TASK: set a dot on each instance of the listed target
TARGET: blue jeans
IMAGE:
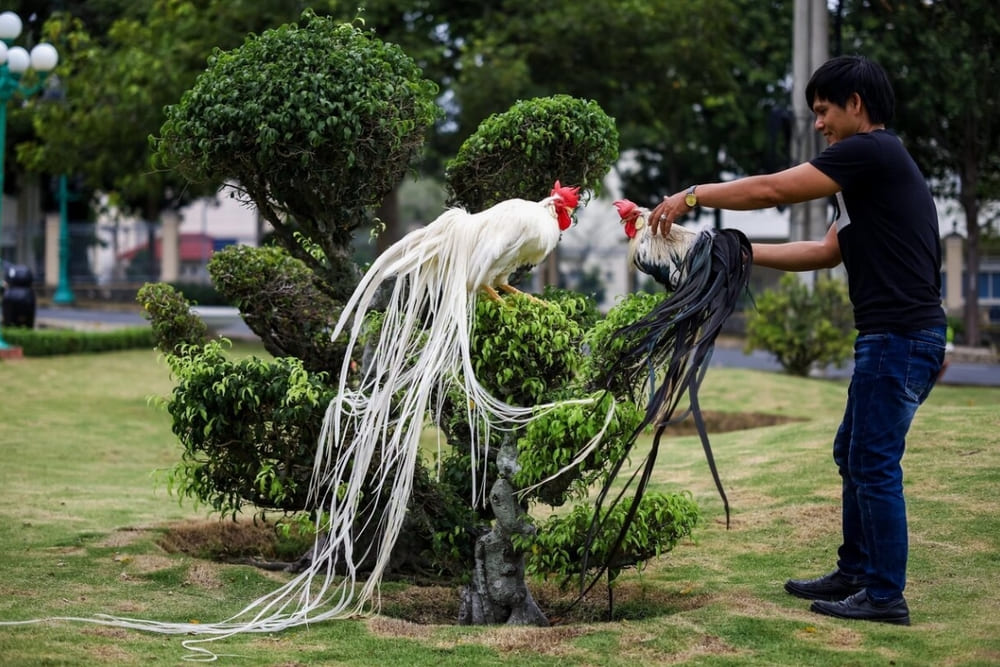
(893, 374)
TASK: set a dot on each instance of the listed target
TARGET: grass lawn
(84, 517)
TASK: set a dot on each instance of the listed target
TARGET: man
(890, 246)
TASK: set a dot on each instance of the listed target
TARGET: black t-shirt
(890, 244)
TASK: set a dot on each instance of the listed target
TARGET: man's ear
(854, 104)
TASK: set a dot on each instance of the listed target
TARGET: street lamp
(14, 62)
(64, 293)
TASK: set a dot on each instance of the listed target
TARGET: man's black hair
(838, 78)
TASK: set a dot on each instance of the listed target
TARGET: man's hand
(667, 212)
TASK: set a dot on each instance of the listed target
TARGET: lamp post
(64, 293)
(14, 62)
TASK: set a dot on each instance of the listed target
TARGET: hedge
(49, 342)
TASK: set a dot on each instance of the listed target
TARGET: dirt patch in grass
(632, 600)
(703, 645)
(412, 606)
(439, 605)
(203, 575)
(723, 422)
(123, 537)
(551, 641)
(103, 653)
(221, 539)
(146, 563)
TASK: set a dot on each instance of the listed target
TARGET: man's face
(834, 122)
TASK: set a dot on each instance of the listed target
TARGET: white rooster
(370, 442)
(422, 348)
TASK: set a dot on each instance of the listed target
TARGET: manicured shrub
(49, 342)
(803, 326)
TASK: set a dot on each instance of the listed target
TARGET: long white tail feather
(372, 431)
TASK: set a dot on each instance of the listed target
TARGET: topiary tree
(282, 301)
(176, 330)
(518, 153)
(316, 123)
(230, 460)
(803, 326)
(530, 353)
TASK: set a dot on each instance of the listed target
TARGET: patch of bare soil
(220, 538)
(428, 603)
(415, 606)
(124, 536)
(723, 422)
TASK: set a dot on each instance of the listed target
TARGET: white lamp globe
(10, 25)
(44, 57)
(18, 60)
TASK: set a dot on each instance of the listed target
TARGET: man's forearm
(794, 256)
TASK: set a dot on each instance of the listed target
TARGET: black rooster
(668, 349)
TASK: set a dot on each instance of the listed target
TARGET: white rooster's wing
(512, 234)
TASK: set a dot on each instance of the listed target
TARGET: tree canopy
(121, 63)
(691, 86)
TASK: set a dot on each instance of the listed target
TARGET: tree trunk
(971, 288)
(388, 213)
(498, 593)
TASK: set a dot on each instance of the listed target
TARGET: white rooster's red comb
(570, 195)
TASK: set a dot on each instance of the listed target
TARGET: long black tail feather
(668, 353)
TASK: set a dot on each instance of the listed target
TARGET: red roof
(194, 248)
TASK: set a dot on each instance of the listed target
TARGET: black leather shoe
(859, 607)
(833, 586)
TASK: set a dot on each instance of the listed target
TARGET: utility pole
(810, 49)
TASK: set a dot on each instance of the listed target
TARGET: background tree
(942, 59)
(690, 104)
(121, 63)
(699, 106)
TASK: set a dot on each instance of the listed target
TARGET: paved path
(224, 321)
(958, 373)
(227, 322)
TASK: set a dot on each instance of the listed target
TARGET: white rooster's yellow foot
(510, 289)
(492, 294)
